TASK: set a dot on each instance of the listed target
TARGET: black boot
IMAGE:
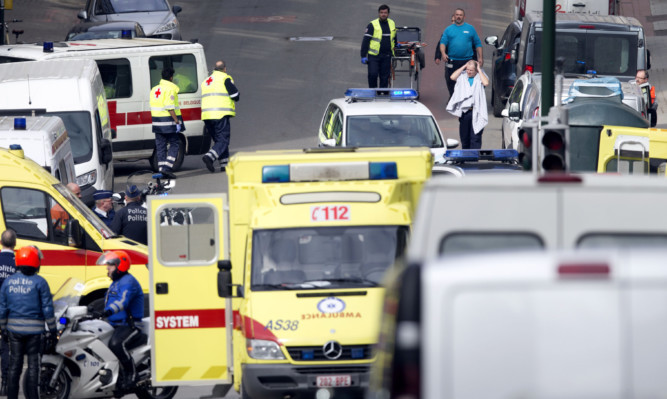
(3, 388)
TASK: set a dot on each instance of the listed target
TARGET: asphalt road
(286, 84)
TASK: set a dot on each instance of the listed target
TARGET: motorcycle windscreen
(190, 341)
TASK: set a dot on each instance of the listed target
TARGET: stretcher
(408, 59)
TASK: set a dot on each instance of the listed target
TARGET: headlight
(89, 178)
(264, 350)
(171, 25)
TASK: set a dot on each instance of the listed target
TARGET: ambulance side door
(186, 239)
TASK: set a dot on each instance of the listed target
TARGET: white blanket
(466, 96)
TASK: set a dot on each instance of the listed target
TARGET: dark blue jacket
(26, 304)
(108, 219)
(132, 222)
(7, 265)
(124, 295)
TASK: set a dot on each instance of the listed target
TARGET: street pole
(2, 22)
(548, 54)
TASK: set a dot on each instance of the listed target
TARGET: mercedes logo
(332, 350)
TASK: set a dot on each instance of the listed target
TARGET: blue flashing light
(157, 176)
(47, 47)
(505, 155)
(357, 353)
(80, 357)
(307, 354)
(63, 321)
(126, 34)
(275, 174)
(19, 124)
(382, 170)
(361, 93)
(403, 94)
(15, 147)
(462, 155)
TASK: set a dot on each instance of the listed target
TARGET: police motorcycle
(82, 365)
(148, 182)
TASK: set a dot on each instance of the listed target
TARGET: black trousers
(469, 140)
(220, 131)
(166, 146)
(379, 65)
(124, 338)
(4, 359)
(448, 72)
(20, 345)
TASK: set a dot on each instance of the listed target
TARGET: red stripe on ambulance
(144, 117)
(191, 318)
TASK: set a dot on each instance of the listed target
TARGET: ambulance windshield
(87, 212)
(324, 257)
(80, 134)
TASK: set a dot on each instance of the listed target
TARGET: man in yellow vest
(377, 48)
(218, 105)
(167, 122)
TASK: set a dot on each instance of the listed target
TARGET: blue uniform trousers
(469, 140)
(220, 130)
(166, 158)
(379, 65)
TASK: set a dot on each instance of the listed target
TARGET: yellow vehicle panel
(632, 150)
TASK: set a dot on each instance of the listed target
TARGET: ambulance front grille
(332, 370)
(316, 353)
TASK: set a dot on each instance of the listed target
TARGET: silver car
(156, 17)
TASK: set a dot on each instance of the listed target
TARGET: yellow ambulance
(632, 150)
(44, 213)
(278, 291)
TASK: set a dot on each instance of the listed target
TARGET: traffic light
(555, 137)
(527, 150)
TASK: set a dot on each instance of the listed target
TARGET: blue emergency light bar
(15, 147)
(352, 171)
(392, 94)
(126, 34)
(47, 47)
(481, 155)
(19, 124)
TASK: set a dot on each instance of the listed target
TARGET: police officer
(377, 48)
(124, 303)
(167, 122)
(132, 220)
(218, 98)
(104, 206)
(7, 268)
(25, 305)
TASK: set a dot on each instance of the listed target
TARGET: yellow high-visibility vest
(374, 48)
(215, 100)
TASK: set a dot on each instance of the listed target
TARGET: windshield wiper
(273, 286)
(357, 280)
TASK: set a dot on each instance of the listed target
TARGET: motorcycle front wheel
(156, 392)
(61, 388)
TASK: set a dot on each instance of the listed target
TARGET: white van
(522, 211)
(583, 324)
(129, 69)
(43, 139)
(598, 7)
(73, 91)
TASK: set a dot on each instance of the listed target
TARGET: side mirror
(451, 143)
(74, 233)
(106, 155)
(176, 9)
(492, 41)
(505, 113)
(514, 112)
(224, 279)
(329, 143)
(82, 15)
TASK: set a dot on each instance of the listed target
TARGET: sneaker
(168, 175)
(208, 162)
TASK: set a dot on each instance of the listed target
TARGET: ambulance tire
(179, 158)
(156, 392)
(244, 393)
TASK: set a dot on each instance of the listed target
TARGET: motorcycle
(82, 365)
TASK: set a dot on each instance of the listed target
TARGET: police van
(287, 276)
(525, 211)
(45, 213)
(129, 69)
(43, 139)
(554, 324)
(71, 90)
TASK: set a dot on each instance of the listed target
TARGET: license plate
(334, 381)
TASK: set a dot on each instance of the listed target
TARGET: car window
(327, 121)
(515, 95)
(337, 126)
(622, 240)
(185, 71)
(116, 77)
(627, 166)
(475, 242)
(103, 7)
(34, 215)
(392, 130)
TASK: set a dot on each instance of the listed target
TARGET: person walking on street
(218, 105)
(456, 47)
(469, 103)
(132, 220)
(104, 206)
(377, 48)
(25, 307)
(167, 122)
(123, 304)
(649, 95)
(7, 268)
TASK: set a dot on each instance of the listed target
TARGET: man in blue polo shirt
(456, 47)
